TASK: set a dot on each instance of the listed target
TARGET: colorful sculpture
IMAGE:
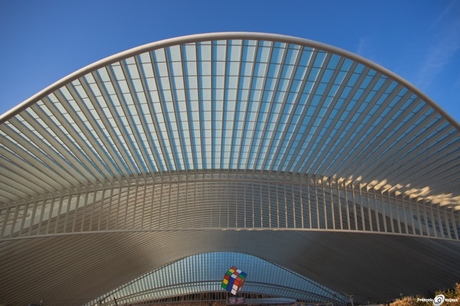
(233, 280)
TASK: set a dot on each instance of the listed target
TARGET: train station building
(143, 177)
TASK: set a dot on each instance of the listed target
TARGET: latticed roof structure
(201, 152)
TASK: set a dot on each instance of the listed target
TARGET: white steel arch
(183, 276)
(207, 136)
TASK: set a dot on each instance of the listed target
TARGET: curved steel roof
(231, 101)
(205, 270)
(204, 136)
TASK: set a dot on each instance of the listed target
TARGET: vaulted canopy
(228, 142)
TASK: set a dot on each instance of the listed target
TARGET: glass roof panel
(229, 104)
(204, 273)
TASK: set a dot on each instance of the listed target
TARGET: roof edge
(220, 36)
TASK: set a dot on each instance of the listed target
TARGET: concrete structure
(146, 175)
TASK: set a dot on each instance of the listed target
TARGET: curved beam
(221, 36)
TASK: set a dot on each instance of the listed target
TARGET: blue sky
(43, 41)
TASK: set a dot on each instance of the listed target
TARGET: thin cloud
(441, 53)
(363, 42)
(444, 13)
(457, 83)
